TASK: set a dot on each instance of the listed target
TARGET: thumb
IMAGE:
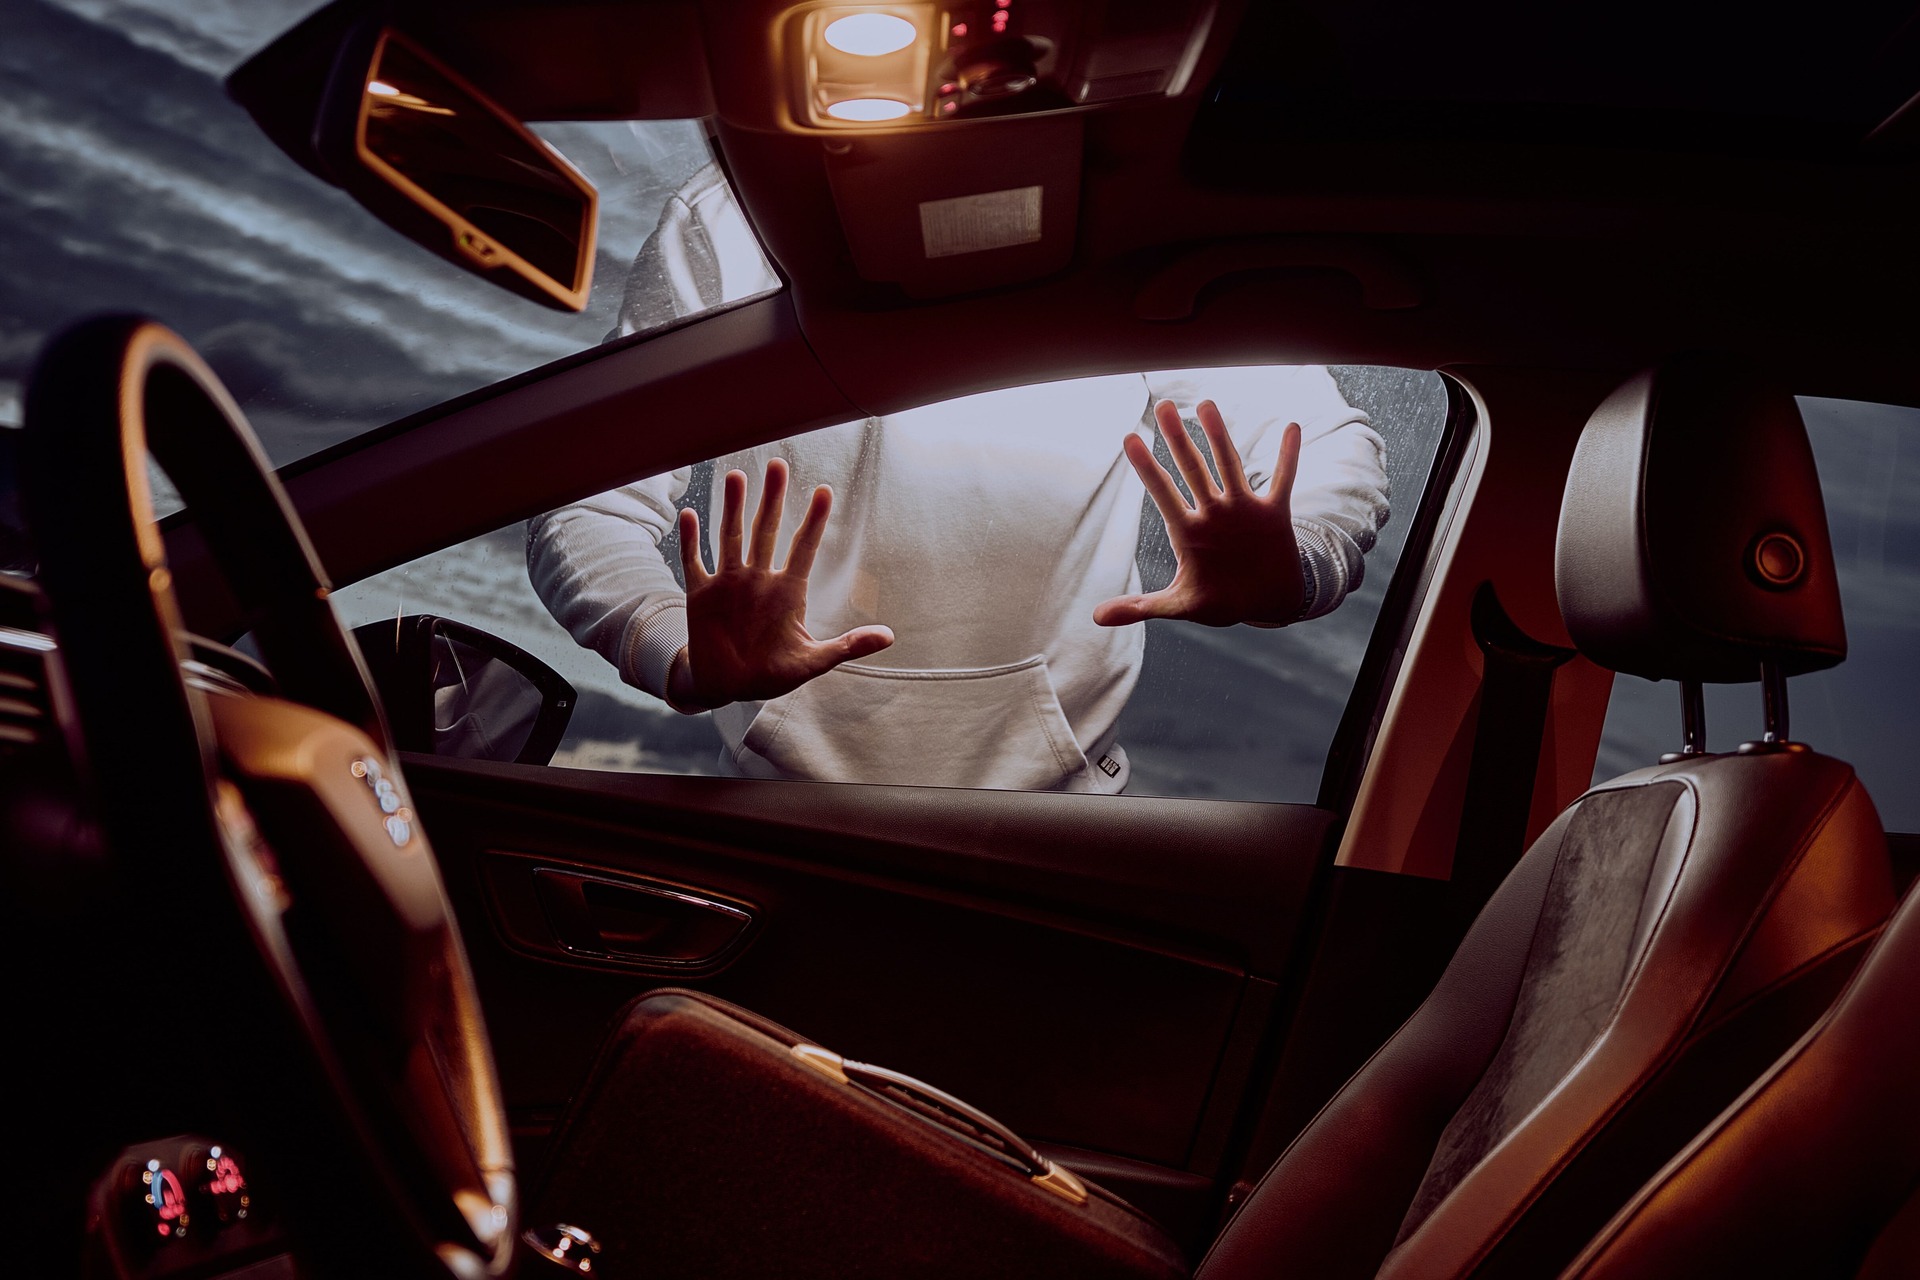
(1123, 611)
(825, 655)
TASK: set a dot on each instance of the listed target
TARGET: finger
(825, 655)
(813, 527)
(691, 568)
(1123, 611)
(1186, 454)
(766, 523)
(733, 502)
(1226, 456)
(1285, 467)
(1165, 493)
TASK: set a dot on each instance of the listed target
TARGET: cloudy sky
(132, 182)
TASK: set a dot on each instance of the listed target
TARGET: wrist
(1309, 595)
(680, 692)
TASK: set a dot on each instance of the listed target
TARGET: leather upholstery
(1666, 939)
(1693, 539)
(1815, 1171)
(1756, 870)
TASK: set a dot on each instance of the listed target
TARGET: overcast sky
(132, 182)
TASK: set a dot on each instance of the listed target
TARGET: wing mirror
(453, 690)
(372, 111)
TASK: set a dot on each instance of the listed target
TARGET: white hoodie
(983, 531)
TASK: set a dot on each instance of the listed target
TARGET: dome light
(868, 109)
(870, 35)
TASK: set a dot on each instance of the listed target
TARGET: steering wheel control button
(1777, 560)
(566, 1246)
(399, 818)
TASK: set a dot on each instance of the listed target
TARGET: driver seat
(1668, 936)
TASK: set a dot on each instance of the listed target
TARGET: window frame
(1441, 503)
(1438, 505)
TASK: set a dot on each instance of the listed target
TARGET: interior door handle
(639, 922)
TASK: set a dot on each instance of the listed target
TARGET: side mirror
(453, 690)
(372, 111)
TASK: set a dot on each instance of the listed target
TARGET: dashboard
(169, 1205)
(182, 1207)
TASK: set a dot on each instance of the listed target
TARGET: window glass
(986, 532)
(1864, 710)
(135, 184)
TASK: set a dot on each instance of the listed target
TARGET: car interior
(1555, 954)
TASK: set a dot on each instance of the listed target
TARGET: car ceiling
(1391, 183)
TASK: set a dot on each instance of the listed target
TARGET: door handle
(639, 922)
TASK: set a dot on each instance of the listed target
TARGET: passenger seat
(1815, 1171)
(1668, 936)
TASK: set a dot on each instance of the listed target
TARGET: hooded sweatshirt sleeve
(598, 568)
(597, 564)
(1340, 493)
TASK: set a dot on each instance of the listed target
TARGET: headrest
(1693, 539)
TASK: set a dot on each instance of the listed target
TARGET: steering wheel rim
(285, 822)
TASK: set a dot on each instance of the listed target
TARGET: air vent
(26, 718)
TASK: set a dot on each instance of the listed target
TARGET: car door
(1106, 973)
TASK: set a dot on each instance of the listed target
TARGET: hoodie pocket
(994, 727)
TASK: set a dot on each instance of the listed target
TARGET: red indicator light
(1002, 4)
(959, 30)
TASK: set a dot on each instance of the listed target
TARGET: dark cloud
(133, 183)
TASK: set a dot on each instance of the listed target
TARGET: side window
(1005, 541)
(1863, 710)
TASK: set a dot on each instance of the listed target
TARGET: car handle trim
(943, 1109)
(691, 932)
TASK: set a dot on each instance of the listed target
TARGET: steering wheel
(278, 830)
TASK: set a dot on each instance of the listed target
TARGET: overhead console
(953, 135)
(852, 66)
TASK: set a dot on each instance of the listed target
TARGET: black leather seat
(1673, 931)
(1815, 1171)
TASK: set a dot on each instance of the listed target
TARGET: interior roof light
(868, 109)
(870, 34)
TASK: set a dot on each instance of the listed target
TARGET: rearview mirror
(427, 153)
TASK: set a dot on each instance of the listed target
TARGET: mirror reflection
(510, 200)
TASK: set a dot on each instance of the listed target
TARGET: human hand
(747, 635)
(1239, 561)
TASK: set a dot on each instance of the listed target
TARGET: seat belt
(1516, 690)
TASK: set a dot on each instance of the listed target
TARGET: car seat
(1815, 1170)
(1669, 935)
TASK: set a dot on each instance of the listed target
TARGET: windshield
(135, 184)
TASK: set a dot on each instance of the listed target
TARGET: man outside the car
(981, 551)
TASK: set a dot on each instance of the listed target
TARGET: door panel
(1084, 967)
